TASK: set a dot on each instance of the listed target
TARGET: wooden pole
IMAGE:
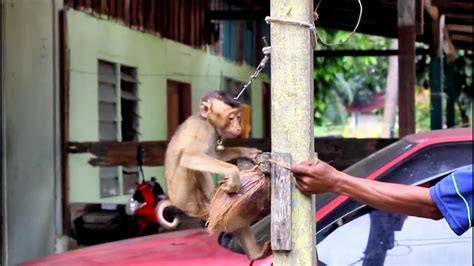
(292, 117)
(436, 65)
(452, 92)
(406, 66)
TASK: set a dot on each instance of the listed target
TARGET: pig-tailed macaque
(195, 152)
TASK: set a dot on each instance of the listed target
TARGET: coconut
(229, 212)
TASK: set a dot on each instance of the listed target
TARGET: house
(100, 71)
(364, 120)
(136, 72)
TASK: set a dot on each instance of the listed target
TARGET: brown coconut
(229, 212)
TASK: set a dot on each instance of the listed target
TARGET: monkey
(195, 152)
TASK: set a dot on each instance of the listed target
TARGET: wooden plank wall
(339, 152)
(180, 20)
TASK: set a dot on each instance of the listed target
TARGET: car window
(381, 238)
(368, 165)
(376, 160)
(428, 162)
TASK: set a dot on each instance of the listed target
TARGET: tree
(342, 81)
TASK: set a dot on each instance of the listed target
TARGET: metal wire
(350, 35)
(266, 51)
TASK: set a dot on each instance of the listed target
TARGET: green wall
(156, 60)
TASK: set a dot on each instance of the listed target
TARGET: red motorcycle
(145, 201)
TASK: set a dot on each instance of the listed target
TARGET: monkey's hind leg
(250, 245)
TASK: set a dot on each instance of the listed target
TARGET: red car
(347, 231)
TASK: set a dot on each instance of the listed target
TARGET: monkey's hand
(232, 180)
(252, 153)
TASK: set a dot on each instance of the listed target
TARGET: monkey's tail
(162, 205)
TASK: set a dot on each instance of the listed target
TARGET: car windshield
(368, 165)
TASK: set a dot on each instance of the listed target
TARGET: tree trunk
(391, 94)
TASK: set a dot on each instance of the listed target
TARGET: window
(107, 102)
(240, 39)
(380, 238)
(109, 178)
(431, 161)
(109, 182)
(117, 95)
(128, 97)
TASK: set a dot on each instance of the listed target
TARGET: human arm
(316, 176)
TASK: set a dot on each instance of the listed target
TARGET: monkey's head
(223, 112)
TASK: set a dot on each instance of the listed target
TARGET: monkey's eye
(231, 117)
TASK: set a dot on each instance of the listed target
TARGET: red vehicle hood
(187, 247)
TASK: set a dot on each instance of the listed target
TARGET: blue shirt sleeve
(453, 196)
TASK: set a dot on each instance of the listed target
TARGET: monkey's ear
(205, 109)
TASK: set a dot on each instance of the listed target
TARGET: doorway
(179, 104)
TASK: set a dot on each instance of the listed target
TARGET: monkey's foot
(265, 251)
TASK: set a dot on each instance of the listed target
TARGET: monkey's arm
(231, 153)
(206, 163)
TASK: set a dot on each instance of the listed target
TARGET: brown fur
(191, 157)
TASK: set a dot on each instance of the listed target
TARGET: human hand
(315, 176)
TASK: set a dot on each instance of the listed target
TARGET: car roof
(444, 135)
(184, 247)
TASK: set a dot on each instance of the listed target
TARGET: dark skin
(315, 176)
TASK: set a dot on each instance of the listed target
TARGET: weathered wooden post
(406, 66)
(292, 128)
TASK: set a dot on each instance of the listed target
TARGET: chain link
(266, 51)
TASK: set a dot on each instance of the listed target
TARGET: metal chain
(266, 51)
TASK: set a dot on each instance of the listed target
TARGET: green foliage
(422, 110)
(463, 79)
(464, 82)
(343, 81)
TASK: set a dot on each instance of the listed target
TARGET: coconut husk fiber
(229, 212)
